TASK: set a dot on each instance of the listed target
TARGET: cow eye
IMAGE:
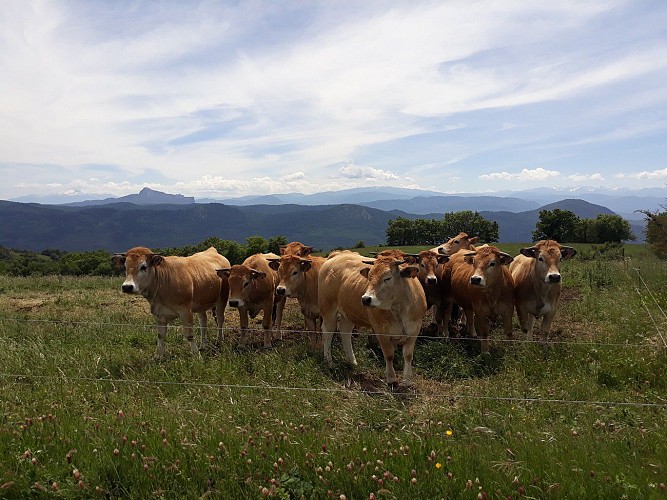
(492, 264)
(457, 241)
(423, 265)
(540, 259)
(246, 284)
(143, 267)
(295, 273)
(387, 278)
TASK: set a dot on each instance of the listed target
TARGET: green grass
(81, 395)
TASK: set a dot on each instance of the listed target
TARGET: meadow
(86, 412)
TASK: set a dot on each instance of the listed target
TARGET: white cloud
(537, 174)
(653, 174)
(351, 171)
(586, 177)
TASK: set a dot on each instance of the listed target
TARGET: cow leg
(267, 321)
(545, 328)
(187, 319)
(279, 306)
(328, 329)
(470, 322)
(387, 346)
(243, 321)
(203, 327)
(412, 330)
(481, 324)
(526, 321)
(220, 318)
(311, 328)
(345, 330)
(161, 334)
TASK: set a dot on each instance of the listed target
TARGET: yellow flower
(449, 432)
(438, 465)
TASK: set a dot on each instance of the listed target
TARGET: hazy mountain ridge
(119, 226)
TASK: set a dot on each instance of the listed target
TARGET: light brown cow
(177, 287)
(460, 242)
(384, 297)
(296, 248)
(298, 278)
(537, 284)
(252, 288)
(482, 285)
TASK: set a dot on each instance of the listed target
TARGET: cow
(482, 285)
(380, 294)
(296, 248)
(176, 287)
(453, 245)
(298, 278)
(537, 284)
(252, 288)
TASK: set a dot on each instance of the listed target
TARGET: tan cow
(381, 295)
(460, 242)
(537, 284)
(252, 288)
(296, 248)
(298, 278)
(482, 285)
(177, 287)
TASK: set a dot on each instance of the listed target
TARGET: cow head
(460, 242)
(428, 262)
(140, 264)
(291, 273)
(548, 255)
(242, 280)
(385, 281)
(487, 262)
(295, 248)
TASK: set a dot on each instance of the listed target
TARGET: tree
(256, 244)
(468, 222)
(611, 227)
(656, 232)
(275, 243)
(399, 232)
(556, 224)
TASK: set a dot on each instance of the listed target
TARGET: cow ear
(505, 258)
(282, 249)
(473, 240)
(257, 274)
(305, 265)
(469, 257)
(155, 259)
(118, 260)
(409, 272)
(223, 273)
(306, 251)
(274, 264)
(567, 252)
(364, 272)
(531, 252)
(443, 258)
(412, 259)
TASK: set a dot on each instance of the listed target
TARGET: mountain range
(155, 219)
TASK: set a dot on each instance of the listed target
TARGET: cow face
(460, 242)
(242, 282)
(428, 263)
(140, 264)
(295, 248)
(291, 274)
(384, 281)
(487, 265)
(548, 255)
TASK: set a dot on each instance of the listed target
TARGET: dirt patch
(26, 305)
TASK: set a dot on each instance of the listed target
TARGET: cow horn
(273, 259)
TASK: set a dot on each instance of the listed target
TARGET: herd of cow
(389, 293)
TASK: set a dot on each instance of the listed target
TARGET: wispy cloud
(537, 174)
(653, 174)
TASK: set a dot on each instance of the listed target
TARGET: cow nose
(432, 280)
(475, 280)
(280, 290)
(233, 303)
(554, 278)
(366, 300)
(127, 288)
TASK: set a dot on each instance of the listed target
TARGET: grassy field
(86, 412)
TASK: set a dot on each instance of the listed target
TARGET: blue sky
(221, 99)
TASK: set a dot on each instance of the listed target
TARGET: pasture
(87, 412)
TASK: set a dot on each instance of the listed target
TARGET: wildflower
(438, 465)
(413, 480)
(449, 432)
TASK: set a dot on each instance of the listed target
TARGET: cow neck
(153, 289)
